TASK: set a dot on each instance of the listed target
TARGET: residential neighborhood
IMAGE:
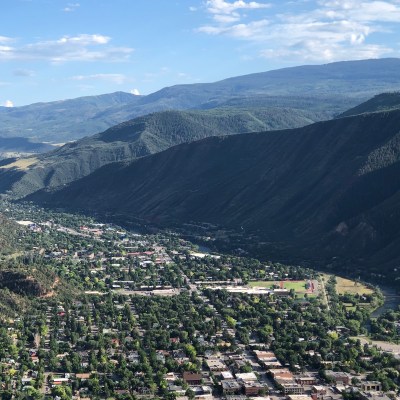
(135, 315)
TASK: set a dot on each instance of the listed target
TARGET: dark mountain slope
(140, 137)
(326, 190)
(331, 88)
(380, 102)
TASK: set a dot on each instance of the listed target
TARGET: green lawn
(299, 287)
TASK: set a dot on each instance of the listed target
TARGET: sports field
(298, 286)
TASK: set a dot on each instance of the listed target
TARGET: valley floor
(149, 316)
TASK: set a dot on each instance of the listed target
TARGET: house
(191, 378)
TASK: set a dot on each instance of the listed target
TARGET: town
(132, 315)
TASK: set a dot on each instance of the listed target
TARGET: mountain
(327, 192)
(65, 120)
(331, 88)
(380, 102)
(137, 138)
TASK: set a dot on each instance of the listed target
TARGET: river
(392, 301)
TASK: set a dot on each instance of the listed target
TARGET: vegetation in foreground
(152, 317)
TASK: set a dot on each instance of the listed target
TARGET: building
(289, 387)
(226, 375)
(216, 365)
(371, 386)
(248, 376)
(231, 386)
(267, 359)
(338, 377)
(252, 388)
(299, 397)
(192, 379)
(307, 380)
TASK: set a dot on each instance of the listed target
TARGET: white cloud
(226, 7)
(249, 31)
(82, 47)
(135, 92)
(71, 7)
(8, 104)
(5, 39)
(118, 79)
(325, 30)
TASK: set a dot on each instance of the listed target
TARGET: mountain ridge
(307, 188)
(140, 137)
(331, 88)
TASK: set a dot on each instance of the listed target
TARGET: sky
(54, 49)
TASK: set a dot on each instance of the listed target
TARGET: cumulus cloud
(82, 47)
(118, 79)
(135, 92)
(326, 30)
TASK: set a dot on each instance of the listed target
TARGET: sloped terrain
(325, 191)
(380, 102)
(141, 137)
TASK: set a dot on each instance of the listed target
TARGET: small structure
(191, 378)
(371, 386)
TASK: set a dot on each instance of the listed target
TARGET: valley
(228, 240)
(138, 315)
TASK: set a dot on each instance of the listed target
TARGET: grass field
(344, 285)
(298, 286)
(21, 164)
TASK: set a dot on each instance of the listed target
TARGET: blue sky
(55, 49)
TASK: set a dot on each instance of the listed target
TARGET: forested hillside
(380, 102)
(140, 137)
(328, 190)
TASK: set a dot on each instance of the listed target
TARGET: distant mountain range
(331, 89)
(327, 191)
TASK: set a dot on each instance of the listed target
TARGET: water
(392, 301)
